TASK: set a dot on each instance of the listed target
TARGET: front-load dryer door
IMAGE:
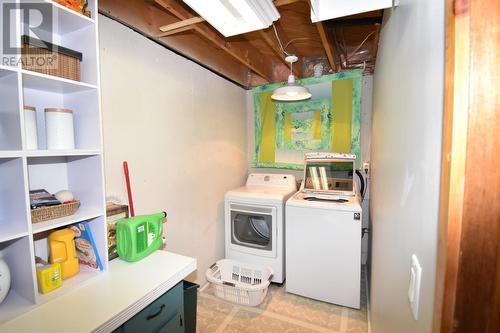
(253, 229)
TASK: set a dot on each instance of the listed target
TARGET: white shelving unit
(79, 170)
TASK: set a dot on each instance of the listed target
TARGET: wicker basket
(54, 212)
(43, 57)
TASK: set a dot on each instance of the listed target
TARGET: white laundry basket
(239, 282)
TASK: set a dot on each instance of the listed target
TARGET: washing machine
(254, 221)
(323, 232)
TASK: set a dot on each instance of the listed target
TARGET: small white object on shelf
(59, 128)
(64, 196)
(30, 127)
(4, 280)
(239, 282)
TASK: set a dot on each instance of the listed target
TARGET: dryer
(254, 221)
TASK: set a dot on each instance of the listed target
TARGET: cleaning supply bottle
(62, 250)
(139, 236)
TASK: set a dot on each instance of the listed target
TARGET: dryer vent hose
(362, 182)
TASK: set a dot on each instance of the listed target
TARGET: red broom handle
(129, 190)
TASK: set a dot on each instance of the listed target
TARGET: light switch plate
(414, 288)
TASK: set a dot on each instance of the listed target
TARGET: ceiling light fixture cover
(322, 10)
(234, 17)
(291, 92)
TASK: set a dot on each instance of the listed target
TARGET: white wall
(406, 152)
(182, 130)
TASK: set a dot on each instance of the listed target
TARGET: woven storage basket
(54, 212)
(239, 282)
(46, 58)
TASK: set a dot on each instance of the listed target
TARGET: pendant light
(291, 91)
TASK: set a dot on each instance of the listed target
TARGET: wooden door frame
(467, 290)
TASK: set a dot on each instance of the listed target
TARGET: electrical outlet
(414, 288)
(366, 167)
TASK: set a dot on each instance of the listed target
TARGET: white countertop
(108, 300)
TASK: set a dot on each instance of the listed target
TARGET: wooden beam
(248, 56)
(357, 21)
(181, 24)
(279, 3)
(327, 45)
(175, 31)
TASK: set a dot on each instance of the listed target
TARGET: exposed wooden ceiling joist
(279, 3)
(358, 21)
(175, 31)
(327, 45)
(145, 17)
(181, 24)
(249, 56)
(256, 58)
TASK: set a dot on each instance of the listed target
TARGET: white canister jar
(30, 127)
(59, 128)
(4, 280)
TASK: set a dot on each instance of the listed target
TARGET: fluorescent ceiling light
(234, 17)
(322, 10)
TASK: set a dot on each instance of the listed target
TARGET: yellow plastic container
(62, 251)
(48, 277)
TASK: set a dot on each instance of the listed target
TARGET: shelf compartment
(54, 153)
(81, 175)
(82, 214)
(86, 116)
(50, 83)
(68, 20)
(86, 273)
(71, 31)
(98, 228)
(13, 211)
(10, 119)
(22, 294)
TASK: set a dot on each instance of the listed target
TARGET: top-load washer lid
(265, 188)
(300, 199)
(329, 175)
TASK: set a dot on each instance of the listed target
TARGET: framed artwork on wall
(284, 131)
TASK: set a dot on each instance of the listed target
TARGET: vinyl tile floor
(280, 312)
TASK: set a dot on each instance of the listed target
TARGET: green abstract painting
(303, 126)
(284, 131)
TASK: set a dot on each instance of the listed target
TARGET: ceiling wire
(359, 46)
(296, 39)
(344, 46)
(279, 41)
